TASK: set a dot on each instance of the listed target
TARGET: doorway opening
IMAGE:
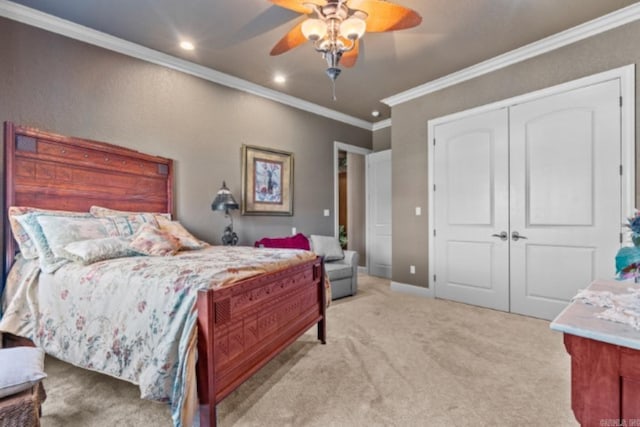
(350, 190)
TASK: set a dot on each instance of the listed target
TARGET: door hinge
(621, 101)
(434, 277)
(434, 232)
(620, 170)
(621, 238)
(434, 187)
(434, 142)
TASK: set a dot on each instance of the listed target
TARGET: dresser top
(580, 319)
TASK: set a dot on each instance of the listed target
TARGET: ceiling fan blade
(297, 5)
(349, 58)
(293, 38)
(385, 16)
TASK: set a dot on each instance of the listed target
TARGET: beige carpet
(390, 360)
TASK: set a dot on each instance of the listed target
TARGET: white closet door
(471, 158)
(379, 246)
(565, 196)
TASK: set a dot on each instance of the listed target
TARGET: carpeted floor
(390, 360)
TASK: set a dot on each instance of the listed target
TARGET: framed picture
(267, 181)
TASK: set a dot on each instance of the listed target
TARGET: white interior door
(565, 195)
(471, 198)
(379, 206)
(546, 172)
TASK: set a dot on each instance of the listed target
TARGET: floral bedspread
(133, 318)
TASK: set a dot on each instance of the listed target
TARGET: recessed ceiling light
(375, 113)
(279, 78)
(187, 45)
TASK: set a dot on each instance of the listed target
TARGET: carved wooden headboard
(50, 171)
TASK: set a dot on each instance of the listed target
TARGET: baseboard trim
(418, 291)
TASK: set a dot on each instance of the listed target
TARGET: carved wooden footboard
(240, 327)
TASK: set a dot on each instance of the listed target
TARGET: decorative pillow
(102, 211)
(128, 225)
(299, 241)
(30, 222)
(59, 231)
(27, 245)
(90, 251)
(155, 242)
(177, 230)
(327, 247)
(20, 369)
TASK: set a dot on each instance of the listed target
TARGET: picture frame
(267, 181)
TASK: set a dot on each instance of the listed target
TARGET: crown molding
(75, 31)
(381, 125)
(564, 38)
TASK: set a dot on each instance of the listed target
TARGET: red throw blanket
(299, 241)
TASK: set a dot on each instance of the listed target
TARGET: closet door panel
(564, 196)
(471, 205)
(549, 267)
(560, 168)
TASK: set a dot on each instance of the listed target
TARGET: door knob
(503, 236)
(516, 236)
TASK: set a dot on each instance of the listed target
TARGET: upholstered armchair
(341, 266)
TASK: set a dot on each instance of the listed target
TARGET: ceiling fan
(336, 26)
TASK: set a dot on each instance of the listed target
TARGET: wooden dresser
(605, 362)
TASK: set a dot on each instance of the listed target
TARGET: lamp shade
(314, 29)
(224, 200)
(353, 28)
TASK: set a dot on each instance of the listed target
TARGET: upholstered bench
(21, 389)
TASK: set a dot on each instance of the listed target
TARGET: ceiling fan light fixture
(335, 27)
(328, 46)
(314, 29)
(353, 28)
(333, 73)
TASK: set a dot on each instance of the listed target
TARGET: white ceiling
(235, 37)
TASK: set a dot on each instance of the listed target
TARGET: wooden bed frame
(240, 328)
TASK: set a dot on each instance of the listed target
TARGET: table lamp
(224, 201)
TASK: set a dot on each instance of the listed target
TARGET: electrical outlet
(327, 212)
(294, 231)
(412, 269)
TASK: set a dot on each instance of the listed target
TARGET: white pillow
(60, 230)
(90, 251)
(20, 369)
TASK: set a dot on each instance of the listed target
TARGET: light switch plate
(327, 212)
(294, 231)
(412, 269)
(418, 211)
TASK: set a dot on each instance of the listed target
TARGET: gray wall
(382, 139)
(65, 86)
(409, 137)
